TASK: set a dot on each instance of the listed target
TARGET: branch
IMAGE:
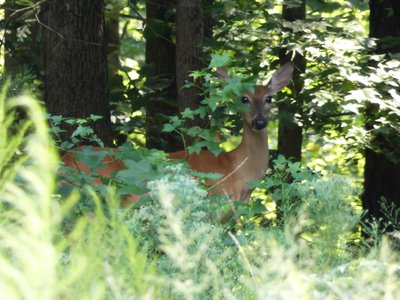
(230, 174)
(337, 115)
(63, 37)
(17, 11)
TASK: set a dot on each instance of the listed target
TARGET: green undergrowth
(171, 244)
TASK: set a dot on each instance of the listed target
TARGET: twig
(251, 271)
(230, 201)
(17, 11)
(129, 17)
(230, 174)
(47, 27)
(63, 37)
(27, 8)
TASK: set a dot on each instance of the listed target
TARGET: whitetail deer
(248, 162)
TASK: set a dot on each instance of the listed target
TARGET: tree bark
(290, 134)
(160, 59)
(189, 52)
(382, 175)
(76, 62)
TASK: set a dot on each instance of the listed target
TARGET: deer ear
(281, 77)
(222, 72)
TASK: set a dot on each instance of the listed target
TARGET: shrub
(170, 246)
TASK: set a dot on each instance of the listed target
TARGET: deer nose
(259, 123)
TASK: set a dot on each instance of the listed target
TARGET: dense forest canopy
(150, 77)
(159, 84)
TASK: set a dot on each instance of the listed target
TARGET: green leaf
(214, 147)
(95, 117)
(70, 121)
(188, 114)
(194, 131)
(233, 85)
(210, 176)
(82, 131)
(212, 102)
(56, 119)
(257, 208)
(201, 112)
(168, 128)
(196, 148)
(176, 121)
(219, 60)
(132, 189)
(135, 171)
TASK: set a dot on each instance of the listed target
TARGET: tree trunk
(384, 22)
(160, 58)
(290, 134)
(189, 52)
(76, 62)
(381, 175)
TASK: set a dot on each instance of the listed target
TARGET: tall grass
(171, 246)
(97, 260)
(28, 256)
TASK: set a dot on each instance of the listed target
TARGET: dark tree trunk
(189, 52)
(381, 175)
(160, 58)
(384, 22)
(76, 62)
(381, 179)
(290, 134)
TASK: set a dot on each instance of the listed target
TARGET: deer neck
(254, 151)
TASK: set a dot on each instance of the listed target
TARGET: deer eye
(268, 99)
(245, 99)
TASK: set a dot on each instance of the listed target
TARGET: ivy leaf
(214, 147)
(233, 85)
(174, 123)
(168, 128)
(56, 119)
(188, 114)
(196, 148)
(194, 131)
(82, 131)
(208, 176)
(255, 184)
(132, 189)
(201, 112)
(212, 102)
(257, 208)
(95, 117)
(135, 171)
(70, 121)
(219, 60)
